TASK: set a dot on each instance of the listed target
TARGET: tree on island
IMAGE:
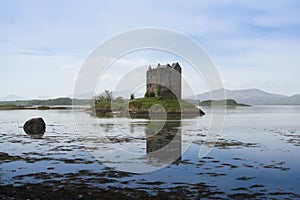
(132, 96)
(106, 96)
(106, 102)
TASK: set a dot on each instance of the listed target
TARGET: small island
(224, 102)
(163, 95)
(169, 106)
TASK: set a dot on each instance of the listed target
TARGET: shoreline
(36, 108)
(144, 113)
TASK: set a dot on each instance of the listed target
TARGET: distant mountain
(252, 97)
(43, 97)
(12, 98)
(294, 100)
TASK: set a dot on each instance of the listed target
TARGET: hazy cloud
(43, 44)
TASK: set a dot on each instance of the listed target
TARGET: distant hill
(48, 102)
(12, 98)
(43, 97)
(252, 97)
(294, 99)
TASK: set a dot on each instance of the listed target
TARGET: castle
(164, 81)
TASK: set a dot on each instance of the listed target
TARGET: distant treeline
(49, 102)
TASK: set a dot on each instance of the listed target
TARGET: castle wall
(170, 81)
(165, 81)
(152, 80)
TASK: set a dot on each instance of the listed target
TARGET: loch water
(255, 156)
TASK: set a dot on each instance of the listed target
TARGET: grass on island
(114, 105)
(103, 105)
(168, 104)
(145, 104)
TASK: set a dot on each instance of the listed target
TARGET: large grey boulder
(35, 126)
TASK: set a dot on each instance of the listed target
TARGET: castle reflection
(164, 141)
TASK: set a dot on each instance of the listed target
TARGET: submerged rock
(35, 126)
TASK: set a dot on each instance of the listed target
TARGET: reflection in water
(136, 145)
(164, 141)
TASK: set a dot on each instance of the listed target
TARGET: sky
(43, 44)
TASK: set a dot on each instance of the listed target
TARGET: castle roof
(159, 66)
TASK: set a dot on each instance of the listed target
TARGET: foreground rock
(35, 126)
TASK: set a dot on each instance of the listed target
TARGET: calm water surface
(256, 154)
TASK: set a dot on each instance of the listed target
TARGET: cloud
(36, 75)
(55, 37)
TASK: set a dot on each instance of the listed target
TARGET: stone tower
(164, 81)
